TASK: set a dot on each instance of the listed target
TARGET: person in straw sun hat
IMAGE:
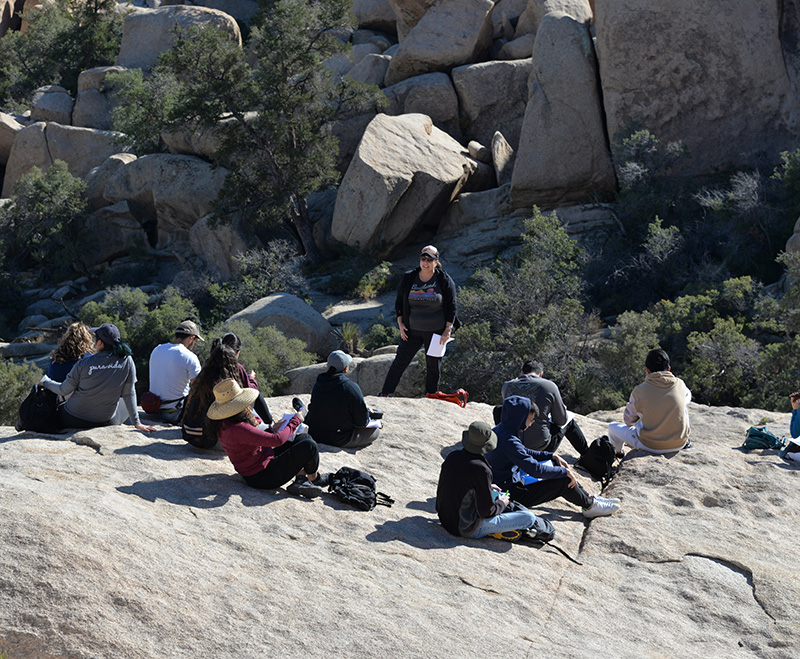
(266, 460)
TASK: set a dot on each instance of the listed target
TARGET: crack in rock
(472, 585)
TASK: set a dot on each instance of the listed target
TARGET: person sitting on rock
(173, 366)
(265, 459)
(534, 477)
(553, 422)
(100, 387)
(467, 502)
(337, 413)
(656, 416)
(76, 342)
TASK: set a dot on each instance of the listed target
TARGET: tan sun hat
(230, 399)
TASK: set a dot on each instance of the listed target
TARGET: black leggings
(547, 490)
(405, 353)
(290, 457)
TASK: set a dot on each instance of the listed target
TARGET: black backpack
(357, 488)
(38, 412)
(598, 460)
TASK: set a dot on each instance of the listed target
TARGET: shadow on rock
(427, 533)
(208, 491)
(165, 451)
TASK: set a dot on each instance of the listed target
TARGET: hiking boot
(599, 508)
(303, 488)
(322, 480)
(508, 536)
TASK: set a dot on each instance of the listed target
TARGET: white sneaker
(609, 499)
(618, 444)
(600, 507)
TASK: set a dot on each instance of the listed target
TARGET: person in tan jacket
(656, 418)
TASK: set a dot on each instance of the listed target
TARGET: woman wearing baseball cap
(266, 460)
(100, 386)
(425, 305)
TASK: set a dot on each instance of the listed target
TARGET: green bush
(43, 226)
(383, 333)
(142, 327)
(16, 381)
(265, 350)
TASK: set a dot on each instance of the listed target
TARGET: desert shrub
(376, 281)
(633, 336)
(349, 335)
(380, 334)
(788, 173)
(43, 225)
(143, 323)
(277, 268)
(16, 381)
(357, 275)
(528, 308)
(265, 350)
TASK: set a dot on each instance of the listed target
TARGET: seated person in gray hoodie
(337, 413)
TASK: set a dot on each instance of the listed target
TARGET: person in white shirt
(173, 366)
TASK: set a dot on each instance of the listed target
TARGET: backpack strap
(382, 499)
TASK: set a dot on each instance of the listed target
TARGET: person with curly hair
(100, 387)
(76, 342)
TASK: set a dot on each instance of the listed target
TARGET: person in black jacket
(425, 305)
(466, 501)
(337, 413)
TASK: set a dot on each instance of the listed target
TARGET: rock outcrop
(123, 544)
(404, 171)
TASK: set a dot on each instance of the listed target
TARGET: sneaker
(383, 395)
(609, 499)
(299, 405)
(599, 508)
(303, 488)
(508, 536)
(323, 480)
(618, 444)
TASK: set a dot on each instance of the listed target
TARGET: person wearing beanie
(337, 413)
(467, 502)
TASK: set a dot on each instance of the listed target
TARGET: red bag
(150, 402)
(459, 397)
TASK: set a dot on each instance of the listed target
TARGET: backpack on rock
(38, 412)
(758, 437)
(598, 460)
(357, 488)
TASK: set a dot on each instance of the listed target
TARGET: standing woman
(425, 305)
(102, 386)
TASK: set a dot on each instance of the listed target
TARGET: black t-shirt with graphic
(426, 306)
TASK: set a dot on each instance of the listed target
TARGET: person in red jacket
(266, 460)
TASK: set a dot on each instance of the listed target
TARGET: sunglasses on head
(426, 257)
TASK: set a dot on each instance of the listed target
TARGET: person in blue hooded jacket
(534, 477)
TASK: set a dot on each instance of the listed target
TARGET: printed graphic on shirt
(424, 292)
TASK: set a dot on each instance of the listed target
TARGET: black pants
(290, 458)
(405, 353)
(547, 490)
(260, 408)
(572, 431)
(67, 420)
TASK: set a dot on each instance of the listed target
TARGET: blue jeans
(519, 519)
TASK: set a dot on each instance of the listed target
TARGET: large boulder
(503, 158)
(95, 100)
(52, 103)
(493, 97)
(98, 177)
(29, 151)
(167, 193)
(404, 173)
(147, 33)
(563, 152)
(368, 374)
(536, 10)
(408, 13)
(39, 144)
(9, 127)
(371, 69)
(242, 10)
(723, 80)
(293, 317)
(218, 246)
(451, 32)
(374, 14)
(115, 232)
(432, 94)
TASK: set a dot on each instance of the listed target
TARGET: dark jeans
(405, 353)
(547, 490)
(291, 457)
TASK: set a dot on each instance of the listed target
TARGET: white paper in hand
(436, 349)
